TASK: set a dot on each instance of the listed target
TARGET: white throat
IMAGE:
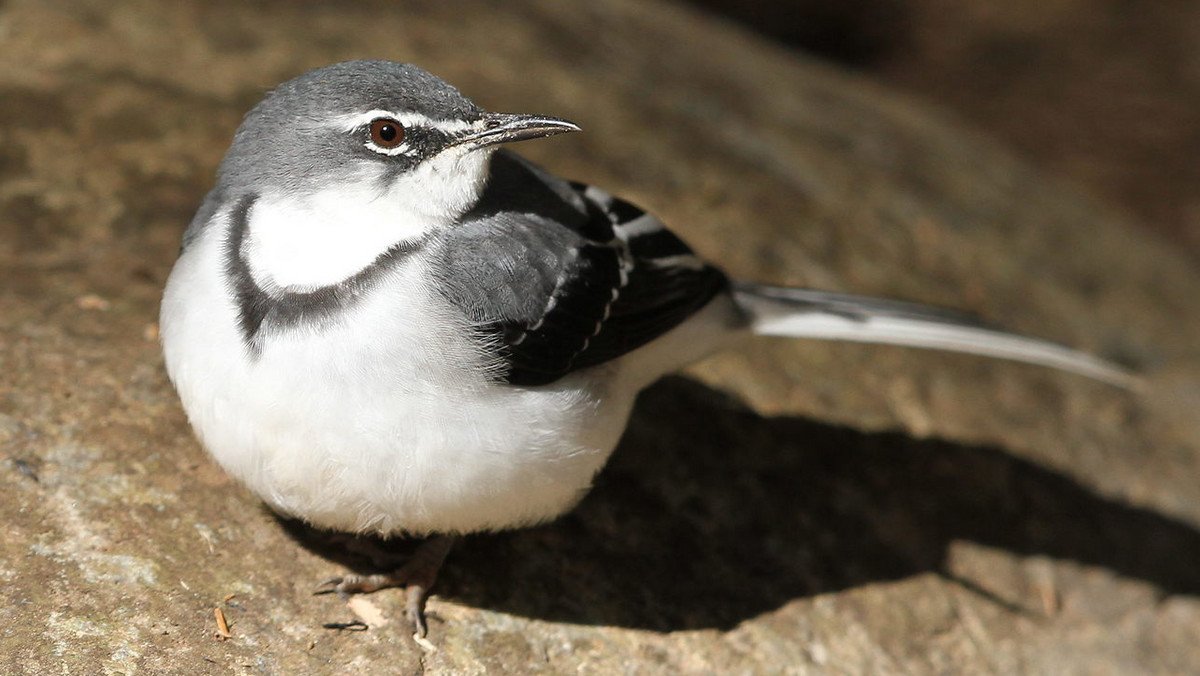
(304, 242)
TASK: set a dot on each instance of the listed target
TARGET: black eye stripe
(418, 142)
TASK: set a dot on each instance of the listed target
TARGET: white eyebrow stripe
(406, 118)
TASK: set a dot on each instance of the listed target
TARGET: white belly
(377, 423)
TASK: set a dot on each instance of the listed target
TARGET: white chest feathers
(383, 419)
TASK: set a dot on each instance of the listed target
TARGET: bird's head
(387, 131)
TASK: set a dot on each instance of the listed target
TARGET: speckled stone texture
(788, 507)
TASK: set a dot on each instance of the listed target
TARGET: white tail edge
(803, 313)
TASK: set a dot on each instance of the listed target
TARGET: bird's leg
(417, 576)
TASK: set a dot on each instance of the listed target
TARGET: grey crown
(285, 142)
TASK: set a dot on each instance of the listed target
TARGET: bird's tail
(803, 313)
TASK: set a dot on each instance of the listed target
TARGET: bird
(383, 322)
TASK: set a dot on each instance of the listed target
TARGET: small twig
(228, 601)
(26, 469)
(355, 625)
(223, 633)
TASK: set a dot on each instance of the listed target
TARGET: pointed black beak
(506, 128)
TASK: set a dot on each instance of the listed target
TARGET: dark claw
(414, 608)
(418, 623)
(328, 586)
(417, 576)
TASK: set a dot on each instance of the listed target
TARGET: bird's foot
(417, 576)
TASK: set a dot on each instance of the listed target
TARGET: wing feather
(561, 276)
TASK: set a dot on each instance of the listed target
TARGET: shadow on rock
(710, 514)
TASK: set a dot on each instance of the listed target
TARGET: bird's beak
(507, 127)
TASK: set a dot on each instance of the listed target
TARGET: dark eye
(387, 133)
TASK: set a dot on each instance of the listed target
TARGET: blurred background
(1104, 92)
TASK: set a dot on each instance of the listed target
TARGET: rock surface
(786, 507)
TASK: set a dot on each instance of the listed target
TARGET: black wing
(560, 276)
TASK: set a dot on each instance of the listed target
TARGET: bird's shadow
(710, 514)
